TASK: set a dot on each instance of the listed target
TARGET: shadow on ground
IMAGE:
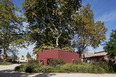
(11, 73)
(44, 75)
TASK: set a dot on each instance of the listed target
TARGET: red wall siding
(64, 55)
(49, 54)
(68, 57)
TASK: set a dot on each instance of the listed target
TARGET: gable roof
(102, 53)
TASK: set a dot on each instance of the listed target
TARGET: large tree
(89, 32)
(50, 21)
(110, 46)
(10, 26)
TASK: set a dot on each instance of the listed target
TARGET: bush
(21, 68)
(32, 66)
(81, 67)
(55, 61)
(29, 69)
(69, 68)
(32, 61)
(107, 67)
(98, 67)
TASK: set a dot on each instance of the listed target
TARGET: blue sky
(104, 10)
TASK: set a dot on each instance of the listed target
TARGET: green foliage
(48, 47)
(20, 68)
(49, 21)
(89, 32)
(110, 46)
(99, 67)
(4, 63)
(43, 47)
(10, 26)
(29, 69)
(28, 55)
(68, 48)
(106, 66)
(55, 61)
(82, 68)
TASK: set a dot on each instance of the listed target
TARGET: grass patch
(4, 63)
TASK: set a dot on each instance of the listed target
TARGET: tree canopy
(10, 26)
(89, 32)
(50, 21)
(54, 23)
(110, 46)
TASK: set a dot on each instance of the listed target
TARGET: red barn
(67, 57)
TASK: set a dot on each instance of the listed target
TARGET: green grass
(4, 63)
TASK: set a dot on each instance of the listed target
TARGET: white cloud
(107, 17)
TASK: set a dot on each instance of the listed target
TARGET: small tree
(28, 55)
(110, 46)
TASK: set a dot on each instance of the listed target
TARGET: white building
(34, 56)
(21, 58)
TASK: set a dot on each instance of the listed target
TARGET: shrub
(107, 67)
(81, 67)
(21, 68)
(45, 69)
(76, 62)
(32, 66)
(98, 67)
(55, 61)
(29, 69)
(32, 61)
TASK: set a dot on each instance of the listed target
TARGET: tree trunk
(57, 40)
(5, 56)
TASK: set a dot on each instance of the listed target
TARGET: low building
(97, 56)
(21, 58)
(67, 57)
(34, 57)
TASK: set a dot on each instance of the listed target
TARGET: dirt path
(8, 71)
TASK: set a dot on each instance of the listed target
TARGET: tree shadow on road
(11, 73)
(44, 75)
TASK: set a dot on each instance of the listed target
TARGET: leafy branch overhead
(54, 16)
(56, 22)
(89, 32)
(10, 26)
